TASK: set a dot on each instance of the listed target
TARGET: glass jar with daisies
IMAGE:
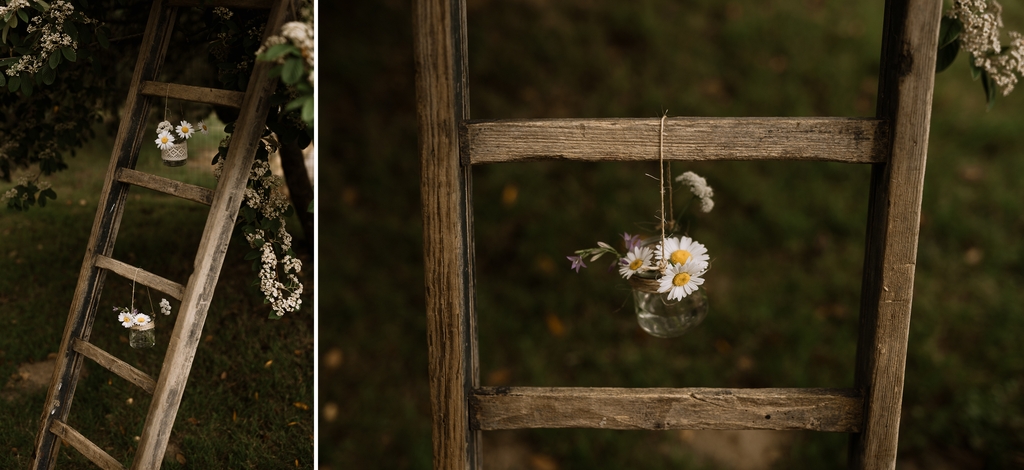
(666, 271)
(176, 153)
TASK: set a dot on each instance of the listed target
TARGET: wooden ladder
(196, 294)
(894, 143)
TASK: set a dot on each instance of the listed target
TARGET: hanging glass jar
(176, 154)
(142, 336)
(664, 318)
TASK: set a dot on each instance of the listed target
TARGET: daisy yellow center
(636, 264)
(163, 140)
(680, 279)
(184, 129)
(679, 256)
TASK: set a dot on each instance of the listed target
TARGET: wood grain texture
(109, 211)
(115, 365)
(213, 246)
(185, 191)
(254, 4)
(848, 140)
(85, 446)
(814, 409)
(439, 33)
(894, 214)
(214, 96)
(141, 276)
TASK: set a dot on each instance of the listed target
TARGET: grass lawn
(249, 398)
(786, 238)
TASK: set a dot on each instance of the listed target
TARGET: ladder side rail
(439, 30)
(213, 247)
(101, 239)
(904, 99)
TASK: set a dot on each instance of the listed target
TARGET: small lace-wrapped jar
(142, 336)
(175, 153)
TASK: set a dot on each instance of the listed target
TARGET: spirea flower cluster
(982, 23)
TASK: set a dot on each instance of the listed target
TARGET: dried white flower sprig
(975, 26)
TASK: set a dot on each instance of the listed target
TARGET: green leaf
(279, 50)
(26, 87)
(13, 22)
(72, 31)
(42, 201)
(23, 15)
(259, 242)
(101, 36)
(274, 316)
(989, 86)
(256, 266)
(946, 55)
(254, 254)
(3, 79)
(3, 39)
(949, 30)
(14, 83)
(43, 4)
(307, 112)
(69, 53)
(55, 59)
(48, 75)
(310, 208)
(48, 192)
(975, 70)
(292, 71)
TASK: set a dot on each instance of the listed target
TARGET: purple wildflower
(632, 241)
(577, 262)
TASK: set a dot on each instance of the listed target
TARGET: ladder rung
(848, 140)
(261, 4)
(187, 191)
(115, 365)
(141, 276)
(197, 94)
(816, 409)
(85, 446)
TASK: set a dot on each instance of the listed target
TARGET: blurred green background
(786, 238)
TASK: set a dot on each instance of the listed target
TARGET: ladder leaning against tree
(196, 294)
(894, 143)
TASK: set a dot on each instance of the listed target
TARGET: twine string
(661, 180)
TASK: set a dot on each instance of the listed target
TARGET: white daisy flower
(683, 250)
(185, 130)
(634, 260)
(141, 319)
(202, 127)
(681, 280)
(165, 307)
(165, 141)
(126, 318)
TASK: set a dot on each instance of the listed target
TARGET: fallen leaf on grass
(300, 405)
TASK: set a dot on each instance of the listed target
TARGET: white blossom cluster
(223, 13)
(982, 22)
(700, 189)
(282, 297)
(263, 194)
(299, 34)
(53, 37)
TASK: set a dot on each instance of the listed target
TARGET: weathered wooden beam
(847, 140)
(894, 213)
(185, 191)
(439, 30)
(814, 409)
(85, 446)
(141, 276)
(115, 365)
(214, 96)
